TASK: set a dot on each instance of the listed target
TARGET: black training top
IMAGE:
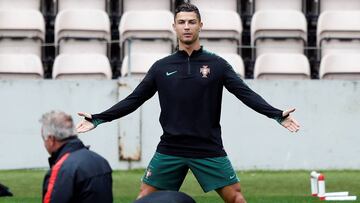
(190, 93)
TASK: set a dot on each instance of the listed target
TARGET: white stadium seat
(139, 63)
(282, 66)
(20, 66)
(260, 5)
(82, 31)
(221, 31)
(156, 35)
(338, 32)
(21, 31)
(145, 5)
(336, 5)
(20, 4)
(81, 66)
(236, 62)
(340, 66)
(278, 32)
(229, 5)
(81, 4)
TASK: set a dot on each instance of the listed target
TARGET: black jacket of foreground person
(166, 197)
(77, 175)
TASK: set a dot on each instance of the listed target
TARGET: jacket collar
(194, 53)
(72, 144)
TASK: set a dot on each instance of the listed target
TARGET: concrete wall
(329, 112)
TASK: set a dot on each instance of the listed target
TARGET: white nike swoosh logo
(233, 176)
(170, 73)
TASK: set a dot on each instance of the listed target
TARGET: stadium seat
(236, 62)
(336, 5)
(21, 31)
(338, 32)
(261, 5)
(221, 31)
(278, 32)
(139, 63)
(139, 34)
(340, 66)
(81, 66)
(20, 66)
(82, 31)
(135, 5)
(20, 4)
(282, 66)
(229, 5)
(81, 4)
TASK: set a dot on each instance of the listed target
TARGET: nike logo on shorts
(171, 73)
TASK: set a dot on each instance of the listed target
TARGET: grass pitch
(257, 186)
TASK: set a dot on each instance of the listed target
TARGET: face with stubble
(187, 27)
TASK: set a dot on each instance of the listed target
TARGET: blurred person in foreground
(166, 197)
(76, 175)
(4, 191)
(190, 83)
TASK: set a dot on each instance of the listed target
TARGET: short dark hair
(187, 7)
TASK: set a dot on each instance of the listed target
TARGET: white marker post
(317, 181)
(321, 186)
(314, 183)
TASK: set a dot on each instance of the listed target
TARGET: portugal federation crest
(205, 71)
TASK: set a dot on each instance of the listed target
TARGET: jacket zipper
(189, 70)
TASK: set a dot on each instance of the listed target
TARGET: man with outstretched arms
(190, 83)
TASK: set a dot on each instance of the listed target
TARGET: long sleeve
(236, 86)
(144, 91)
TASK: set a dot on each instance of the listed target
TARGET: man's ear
(51, 139)
(173, 25)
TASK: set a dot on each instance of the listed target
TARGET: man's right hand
(84, 125)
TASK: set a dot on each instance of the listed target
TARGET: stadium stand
(20, 4)
(139, 34)
(81, 66)
(221, 31)
(340, 66)
(282, 66)
(21, 31)
(278, 32)
(138, 64)
(82, 31)
(115, 28)
(20, 66)
(338, 32)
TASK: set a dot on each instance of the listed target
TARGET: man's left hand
(289, 122)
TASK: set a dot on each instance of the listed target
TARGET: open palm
(84, 125)
(289, 122)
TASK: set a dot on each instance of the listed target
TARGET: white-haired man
(76, 175)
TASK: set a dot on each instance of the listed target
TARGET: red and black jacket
(77, 175)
